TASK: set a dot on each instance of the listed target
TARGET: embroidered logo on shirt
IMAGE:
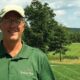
(27, 73)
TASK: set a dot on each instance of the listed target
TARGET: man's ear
(0, 26)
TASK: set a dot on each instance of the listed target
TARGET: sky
(67, 11)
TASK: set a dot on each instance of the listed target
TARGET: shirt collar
(24, 53)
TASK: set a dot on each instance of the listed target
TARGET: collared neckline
(24, 53)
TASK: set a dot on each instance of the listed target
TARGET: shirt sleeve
(46, 72)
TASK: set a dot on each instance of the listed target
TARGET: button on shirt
(29, 64)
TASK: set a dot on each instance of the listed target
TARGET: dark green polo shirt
(29, 64)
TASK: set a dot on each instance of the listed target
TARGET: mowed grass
(73, 52)
(73, 49)
(66, 71)
(69, 67)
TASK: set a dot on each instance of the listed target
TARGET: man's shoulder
(34, 51)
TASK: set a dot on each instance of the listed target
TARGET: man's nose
(13, 25)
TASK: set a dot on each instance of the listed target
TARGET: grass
(74, 49)
(72, 53)
(66, 71)
(69, 67)
(66, 61)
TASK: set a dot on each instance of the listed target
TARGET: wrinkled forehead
(12, 14)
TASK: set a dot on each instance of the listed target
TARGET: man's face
(12, 26)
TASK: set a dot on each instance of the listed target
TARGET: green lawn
(74, 49)
(66, 71)
(69, 67)
(72, 53)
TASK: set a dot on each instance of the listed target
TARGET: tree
(44, 32)
(60, 40)
(40, 18)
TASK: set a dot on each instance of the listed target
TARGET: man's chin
(13, 38)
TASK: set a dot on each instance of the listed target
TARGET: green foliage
(42, 23)
(44, 32)
(74, 29)
(74, 36)
(60, 38)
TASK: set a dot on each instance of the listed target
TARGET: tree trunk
(60, 57)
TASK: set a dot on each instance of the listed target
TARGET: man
(19, 61)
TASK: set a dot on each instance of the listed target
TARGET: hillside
(74, 29)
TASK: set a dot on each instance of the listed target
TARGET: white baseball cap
(15, 8)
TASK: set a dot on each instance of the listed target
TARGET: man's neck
(13, 47)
